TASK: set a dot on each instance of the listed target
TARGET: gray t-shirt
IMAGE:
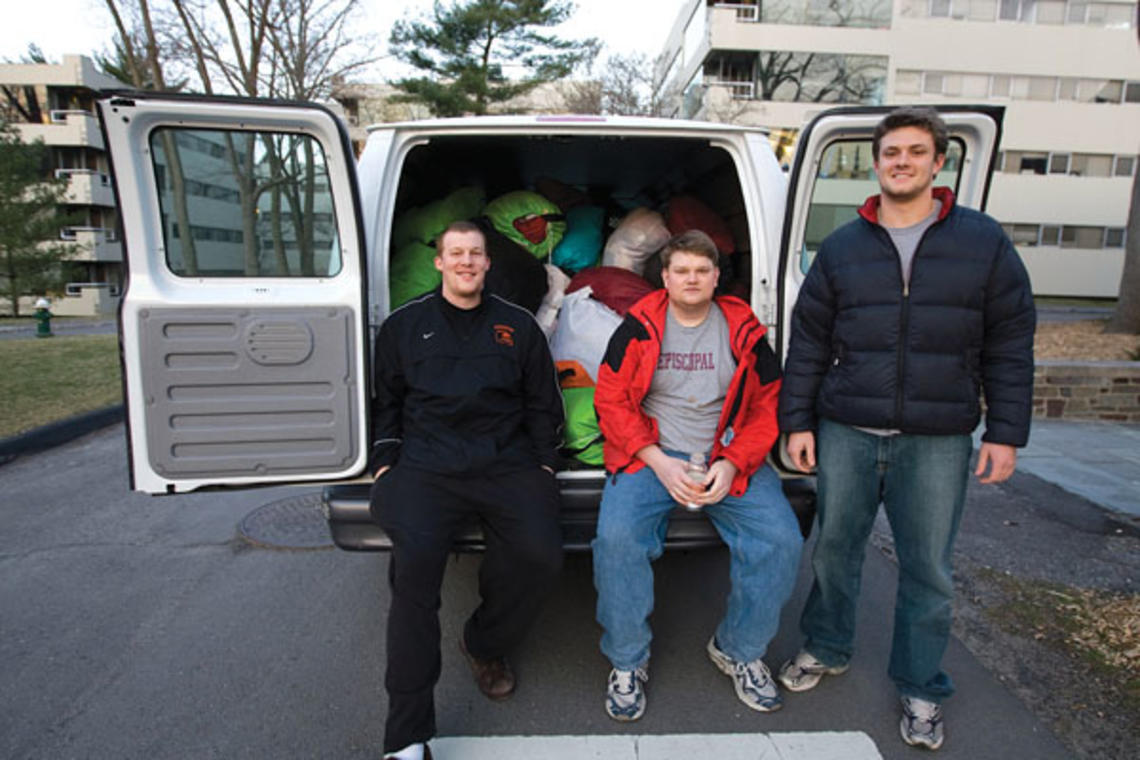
(692, 377)
(906, 241)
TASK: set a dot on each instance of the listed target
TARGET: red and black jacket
(747, 426)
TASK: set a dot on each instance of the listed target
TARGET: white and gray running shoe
(752, 680)
(921, 723)
(804, 671)
(625, 694)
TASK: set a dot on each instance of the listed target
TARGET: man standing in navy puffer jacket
(908, 315)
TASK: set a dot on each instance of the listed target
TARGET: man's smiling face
(907, 163)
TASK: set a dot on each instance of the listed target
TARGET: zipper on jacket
(904, 312)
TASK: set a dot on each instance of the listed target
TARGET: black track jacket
(480, 400)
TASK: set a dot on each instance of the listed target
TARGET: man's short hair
(690, 241)
(460, 226)
(912, 116)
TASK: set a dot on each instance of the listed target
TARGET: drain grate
(294, 523)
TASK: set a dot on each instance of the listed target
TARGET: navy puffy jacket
(867, 352)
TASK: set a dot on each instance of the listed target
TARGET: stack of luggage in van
(553, 253)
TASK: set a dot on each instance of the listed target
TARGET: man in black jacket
(467, 422)
(907, 315)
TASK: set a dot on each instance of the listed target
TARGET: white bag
(556, 283)
(639, 236)
(583, 331)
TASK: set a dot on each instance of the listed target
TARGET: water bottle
(697, 470)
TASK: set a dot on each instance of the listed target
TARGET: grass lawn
(50, 379)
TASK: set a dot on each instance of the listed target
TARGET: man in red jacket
(689, 373)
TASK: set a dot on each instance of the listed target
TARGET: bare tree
(138, 50)
(1126, 316)
(290, 49)
(622, 86)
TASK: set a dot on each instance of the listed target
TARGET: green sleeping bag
(423, 224)
(583, 439)
(529, 220)
(412, 273)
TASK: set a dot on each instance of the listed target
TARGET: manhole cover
(293, 523)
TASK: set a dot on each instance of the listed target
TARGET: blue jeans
(764, 544)
(921, 482)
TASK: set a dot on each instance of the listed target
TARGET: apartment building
(56, 103)
(1067, 72)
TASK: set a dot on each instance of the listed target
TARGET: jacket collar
(870, 208)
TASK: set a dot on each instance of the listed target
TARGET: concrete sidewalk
(1099, 461)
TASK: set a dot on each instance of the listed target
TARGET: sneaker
(753, 681)
(921, 723)
(803, 672)
(625, 694)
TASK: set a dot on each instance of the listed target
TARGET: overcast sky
(83, 26)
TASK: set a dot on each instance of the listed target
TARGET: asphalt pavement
(137, 626)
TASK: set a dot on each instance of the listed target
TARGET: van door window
(844, 179)
(244, 204)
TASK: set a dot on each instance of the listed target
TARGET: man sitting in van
(467, 423)
(685, 374)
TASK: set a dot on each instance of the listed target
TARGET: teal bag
(581, 246)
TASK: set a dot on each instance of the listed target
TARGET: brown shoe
(494, 676)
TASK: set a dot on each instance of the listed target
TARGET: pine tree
(465, 50)
(29, 220)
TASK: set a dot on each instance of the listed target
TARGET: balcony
(87, 187)
(92, 243)
(736, 90)
(75, 129)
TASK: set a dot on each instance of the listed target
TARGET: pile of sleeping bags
(553, 253)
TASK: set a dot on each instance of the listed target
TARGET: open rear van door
(243, 325)
(833, 174)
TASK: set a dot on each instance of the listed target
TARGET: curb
(55, 433)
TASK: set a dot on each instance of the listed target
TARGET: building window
(1077, 12)
(1114, 237)
(1067, 89)
(1132, 92)
(1033, 163)
(1009, 10)
(940, 8)
(1042, 88)
(908, 82)
(1090, 165)
(1051, 234)
(1074, 236)
(1124, 166)
(1059, 163)
(932, 83)
(999, 86)
(1022, 235)
(1109, 92)
(1050, 12)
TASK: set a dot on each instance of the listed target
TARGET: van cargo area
(619, 173)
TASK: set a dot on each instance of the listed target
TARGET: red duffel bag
(617, 288)
(687, 213)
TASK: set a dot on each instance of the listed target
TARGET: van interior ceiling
(619, 173)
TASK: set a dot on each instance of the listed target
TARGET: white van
(247, 342)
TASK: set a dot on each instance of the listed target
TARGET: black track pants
(421, 512)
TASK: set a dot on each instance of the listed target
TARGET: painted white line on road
(808, 745)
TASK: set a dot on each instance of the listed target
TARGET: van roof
(565, 122)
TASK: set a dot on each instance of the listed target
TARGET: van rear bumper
(353, 529)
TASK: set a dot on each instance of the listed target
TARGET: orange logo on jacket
(504, 335)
